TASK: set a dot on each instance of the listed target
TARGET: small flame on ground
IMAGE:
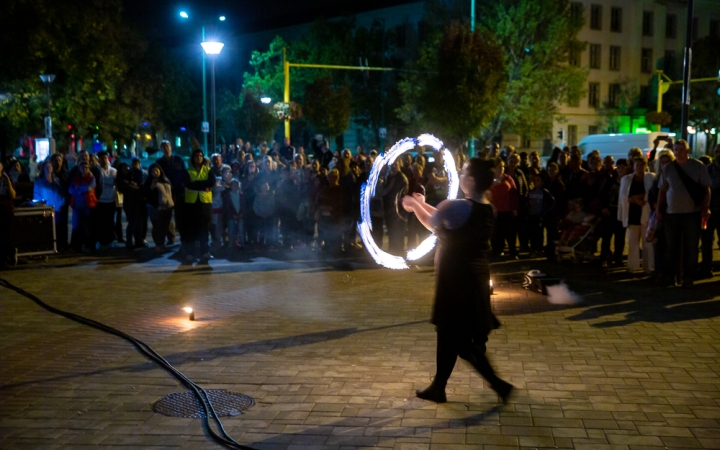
(187, 309)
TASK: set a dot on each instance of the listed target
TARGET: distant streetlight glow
(222, 18)
(265, 100)
(184, 15)
(212, 48)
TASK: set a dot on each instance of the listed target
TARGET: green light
(641, 131)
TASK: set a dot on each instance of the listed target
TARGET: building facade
(627, 42)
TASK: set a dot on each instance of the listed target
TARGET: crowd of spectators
(278, 196)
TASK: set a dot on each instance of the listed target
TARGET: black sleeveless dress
(462, 292)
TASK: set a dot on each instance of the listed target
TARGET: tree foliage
(255, 121)
(704, 97)
(327, 106)
(107, 79)
(461, 86)
(537, 37)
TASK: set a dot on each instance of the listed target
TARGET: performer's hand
(418, 197)
(408, 203)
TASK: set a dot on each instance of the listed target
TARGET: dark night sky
(160, 20)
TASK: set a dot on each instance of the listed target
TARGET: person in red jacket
(505, 200)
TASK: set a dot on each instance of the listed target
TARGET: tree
(705, 106)
(537, 37)
(464, 87)
(255, 121)
(327, 107)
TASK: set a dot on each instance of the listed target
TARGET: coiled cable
(223, 438)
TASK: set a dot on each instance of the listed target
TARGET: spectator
(173, 167)
(523, 189)
(16, 172)
(713, 222)
(83, 200)
(7, 195)
(198, 207)
(218, 223)
(48, 187)
(331, 213)
(250, 219)
(573, 182)
(612, 226)
(536, 163)
(392, 188)
(60, 173)
(104, 212)
(685, 190)
(288, 199)
(634, 211)
(130, 185)
(217, 165)
(556, 187)
(265, 210)
(416, 230)
(540, 203)
(575, 224)
(286, 153)
(662, 159)
(505, 200)
(234, 205)
(158, 194)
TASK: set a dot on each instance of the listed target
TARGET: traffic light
(561, 134)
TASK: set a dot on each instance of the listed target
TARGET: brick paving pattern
(332, 357)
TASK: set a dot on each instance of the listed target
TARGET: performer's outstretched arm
(422, 210)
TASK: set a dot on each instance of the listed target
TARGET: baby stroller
(582, 245)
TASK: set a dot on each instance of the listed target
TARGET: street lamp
(265, 100)
(185, 15)
(213, 49)
(47, 80)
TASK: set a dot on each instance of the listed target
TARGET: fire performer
(461, 312)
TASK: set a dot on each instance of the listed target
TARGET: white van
(617, 145)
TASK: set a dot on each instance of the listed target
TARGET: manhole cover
(186, 404)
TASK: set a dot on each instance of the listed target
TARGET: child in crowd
(233, 205)
(575, 224)
(540, 203)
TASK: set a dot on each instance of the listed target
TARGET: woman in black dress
(462, 312)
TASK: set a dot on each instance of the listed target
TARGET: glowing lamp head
(212, 48)
(188, 310)
(222, 18)
(265, 100)
(184, 15)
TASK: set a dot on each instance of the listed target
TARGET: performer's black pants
(451, 344)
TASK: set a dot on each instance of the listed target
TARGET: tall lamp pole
(471, 144)
(47, 81)
(687, 60)
(185, 15)
(213, 49)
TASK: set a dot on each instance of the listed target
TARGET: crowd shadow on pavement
(608, 292)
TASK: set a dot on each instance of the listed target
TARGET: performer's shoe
(504, 390)
(434, 393)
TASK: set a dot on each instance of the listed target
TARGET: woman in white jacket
(634, 212)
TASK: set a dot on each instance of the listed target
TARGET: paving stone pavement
(333, 353)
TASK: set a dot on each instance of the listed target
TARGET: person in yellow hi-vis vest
(198, 207)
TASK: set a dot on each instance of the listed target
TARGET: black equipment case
(33, 231)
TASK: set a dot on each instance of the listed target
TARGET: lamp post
(185, 15)
(47, 80)
(213, 49)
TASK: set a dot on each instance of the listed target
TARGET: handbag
(695, 189)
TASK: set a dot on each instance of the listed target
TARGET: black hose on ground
(223, 438)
